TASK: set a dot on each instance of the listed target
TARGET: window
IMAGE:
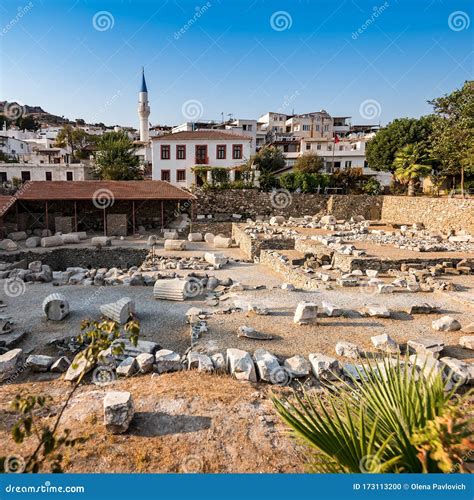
(329, 147)
(308, 147)
(3, 177)
(165, 175)
(25, 175)
(181, 175)
(341, 148)
(237, 151)
(48, 176)
(69, 176)
(348, 164)
(221, 151)
(180, 152)
(317, 128)
(318, 147)
(306, 127)
(165, 152)
(201, 155)
(249, 128)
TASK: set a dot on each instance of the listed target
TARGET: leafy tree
(74, 138)
(25, 122)
(309, 163)
(268, 181)
(115, 159)
(452, 138)
(410, 165)
(269, 159)
(381, 150)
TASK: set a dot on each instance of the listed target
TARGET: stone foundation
(252, 247)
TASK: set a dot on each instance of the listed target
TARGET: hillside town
(169, 153)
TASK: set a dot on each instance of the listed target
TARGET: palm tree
(410, 164)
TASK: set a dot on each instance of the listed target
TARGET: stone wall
(222, 204)
(61, 258)
(441, 214)
(252, 247)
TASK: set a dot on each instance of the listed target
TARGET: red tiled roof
(216, 135)
(6, 202)
(88, 190)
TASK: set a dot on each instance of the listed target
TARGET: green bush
(380, 422)
(372, 186)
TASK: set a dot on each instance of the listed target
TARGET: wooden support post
(162, 216)
(75, 216)
(133, 217)
(17, 217)
(105, 221)
(192, 216)
(46, 215)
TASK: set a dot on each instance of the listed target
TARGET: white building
(175, 155)
(43, 172)
(14, 149)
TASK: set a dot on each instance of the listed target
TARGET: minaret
(143, 110)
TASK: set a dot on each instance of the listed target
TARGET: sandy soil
(184, 422)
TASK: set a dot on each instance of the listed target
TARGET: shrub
(372, 186)
(374, 425)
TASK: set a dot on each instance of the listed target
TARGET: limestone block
(305, 312)
(446, 324)
(167, 361)
(101, 241)
(297, 366)
(200, 362)
(174, 289)
(170, 235)
(52, 241)
(347, 349)
(10, 362)
(18, 236)
(118, 411)
(222, 242)
(8, 245)
(70, 238)
(240, 364)
(119, 311)
(39, 363)
(215, 259)
(33, 242)
(324, 367)
(175, 245)
(209, 238)
(267, 365)
(55, 307)
(195, 237)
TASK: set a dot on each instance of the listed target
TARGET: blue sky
(82, 58)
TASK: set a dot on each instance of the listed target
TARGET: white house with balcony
(174, 156)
